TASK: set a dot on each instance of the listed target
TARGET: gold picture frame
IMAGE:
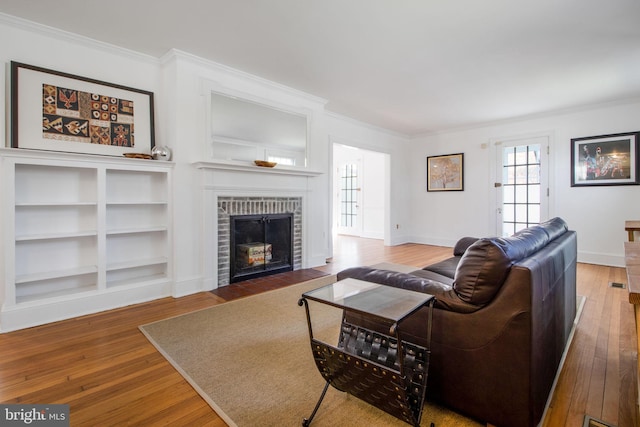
(445, 173)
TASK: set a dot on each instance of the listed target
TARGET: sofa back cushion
(554, 227)
(486, 263)
(463, 244)
(483, 265)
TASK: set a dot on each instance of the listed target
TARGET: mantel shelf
(92, 159)
(250, 167)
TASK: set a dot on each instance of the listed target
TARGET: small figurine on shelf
(160, 152)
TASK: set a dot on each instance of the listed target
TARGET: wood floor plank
(596, 388)
(610, 402)
(628, 414)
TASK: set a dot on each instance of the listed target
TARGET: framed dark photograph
(445, 173)
(57, 111)
(605, 160)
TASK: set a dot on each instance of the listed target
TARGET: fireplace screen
(260, 245)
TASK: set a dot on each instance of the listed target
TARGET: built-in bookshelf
(82, 233)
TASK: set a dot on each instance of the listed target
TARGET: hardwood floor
(109, 374)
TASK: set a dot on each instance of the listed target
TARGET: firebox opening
(260, 245)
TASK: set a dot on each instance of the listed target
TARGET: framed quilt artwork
(57, 111)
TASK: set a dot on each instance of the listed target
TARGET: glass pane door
(522, 197)
(349, 197)
(520, 188)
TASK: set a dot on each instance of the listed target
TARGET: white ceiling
(412, 66)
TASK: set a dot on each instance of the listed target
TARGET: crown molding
(62, 35)
(369, 126)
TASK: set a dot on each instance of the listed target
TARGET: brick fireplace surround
(228, 206)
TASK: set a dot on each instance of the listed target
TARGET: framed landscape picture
(57, 111)
(605, 160)
(445, 173)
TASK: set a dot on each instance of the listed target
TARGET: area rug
(250, 359)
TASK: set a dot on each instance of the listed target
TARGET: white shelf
(50, 236)
(160, 278)
(37, 277)
(136, 263)
(137, 230)
(137, 203)
(76, 227)
(54, 294)
(54, 205)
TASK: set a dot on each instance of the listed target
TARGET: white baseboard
(399, 240)
(601, 259)
(434, 241)
(316, 261)
(29, 314)
(188, 287)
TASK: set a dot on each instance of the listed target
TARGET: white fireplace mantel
(240, 166)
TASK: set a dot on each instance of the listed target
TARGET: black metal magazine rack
(382, 370)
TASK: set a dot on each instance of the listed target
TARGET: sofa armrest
(395, 279)
(446, 297)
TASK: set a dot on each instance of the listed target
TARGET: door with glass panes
(349, 192)
(522, 187)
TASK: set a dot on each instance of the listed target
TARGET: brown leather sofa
(504, 312)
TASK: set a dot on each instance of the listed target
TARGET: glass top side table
(378, 368)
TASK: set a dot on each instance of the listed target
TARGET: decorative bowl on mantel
(264, 163)
(137, 155)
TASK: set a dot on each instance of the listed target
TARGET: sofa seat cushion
(432, 275)
(446, 268)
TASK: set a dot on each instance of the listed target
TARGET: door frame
(496, 144)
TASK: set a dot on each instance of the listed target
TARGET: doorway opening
(360, 192)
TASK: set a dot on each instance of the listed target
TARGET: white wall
(596, 213)
(374, 175)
